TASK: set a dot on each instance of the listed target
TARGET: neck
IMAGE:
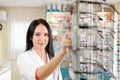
(40, 51)
(42, 54)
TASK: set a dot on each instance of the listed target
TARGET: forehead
(41, 28)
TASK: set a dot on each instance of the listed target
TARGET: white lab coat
(29, 61)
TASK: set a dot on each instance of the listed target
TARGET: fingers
(67, 40)
(67, 35)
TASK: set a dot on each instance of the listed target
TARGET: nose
(41, 38)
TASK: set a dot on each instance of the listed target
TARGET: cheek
(34, 40)
(47, 40)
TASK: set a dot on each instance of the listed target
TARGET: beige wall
(4, 40)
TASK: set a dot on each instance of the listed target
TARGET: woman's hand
(66, 42)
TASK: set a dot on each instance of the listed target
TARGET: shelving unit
(93, 40)
(117, 48)
(118, 52)
(92, 54)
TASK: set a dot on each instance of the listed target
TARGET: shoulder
(24, 54)
(22, 57)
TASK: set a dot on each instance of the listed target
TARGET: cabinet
(93, 45)
(5, 70)
(59, 22)
(6, 75)
(117, 47)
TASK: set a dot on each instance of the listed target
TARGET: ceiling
(38, 3)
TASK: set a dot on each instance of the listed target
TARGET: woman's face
(40, 37)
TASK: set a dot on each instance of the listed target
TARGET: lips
(42, 44)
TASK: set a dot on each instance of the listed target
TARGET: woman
(38, 62)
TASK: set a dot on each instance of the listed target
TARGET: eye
(46, 34)
(37, 34)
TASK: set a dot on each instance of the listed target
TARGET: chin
(41, 47)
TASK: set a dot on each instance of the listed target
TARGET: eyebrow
(44, 32)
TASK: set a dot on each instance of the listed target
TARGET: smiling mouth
(41, 43)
